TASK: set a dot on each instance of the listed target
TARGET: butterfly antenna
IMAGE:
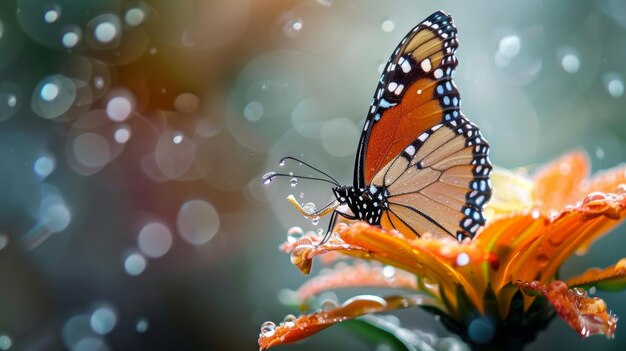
(284, 159)
(269, 177)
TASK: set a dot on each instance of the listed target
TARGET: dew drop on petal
(462, 259)
(329, 304)
(389, 272)
(289, 320)
(268, 329)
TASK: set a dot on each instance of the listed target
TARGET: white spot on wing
(425, 65)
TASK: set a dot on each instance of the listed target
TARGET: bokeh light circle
(103, 320)
(154, 240)
(56, 217)
(44, 165)
(53, 96)
(339, 137)
(119, 108)
(197, 222)
(135, 264)
(91, 150)
(134, 17)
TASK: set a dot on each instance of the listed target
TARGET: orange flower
(488, 289)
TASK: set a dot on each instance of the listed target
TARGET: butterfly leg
(331, 224)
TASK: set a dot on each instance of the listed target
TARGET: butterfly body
(363, 204)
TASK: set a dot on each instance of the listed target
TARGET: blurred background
(133, 136)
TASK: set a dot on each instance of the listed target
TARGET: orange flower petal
(558, 183)
(304, 326)
(610, 278)
(587, 315)
(361, 274)
(573, 230)
(445, 262)
(512, 192)
(606, 181)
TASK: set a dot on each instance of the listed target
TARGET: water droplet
(535, 214)
(253, 111)
(301, 195)
(388, 26)
(290, 320)
(570, 63)
(320, 231)
(389, 272)
(462, 259)
(268, 177)
(293, 182)
(294, 233)
(268, 329)
(309, 207)
(329, 304)
(178, 138)
(315, 220)
(542, 259)
(282, 161)
(292, 27)
(592, 290)
(51, 16)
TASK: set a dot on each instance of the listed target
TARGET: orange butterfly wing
(405, 103)
(430, 160)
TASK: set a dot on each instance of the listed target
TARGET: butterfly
(421, 165)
